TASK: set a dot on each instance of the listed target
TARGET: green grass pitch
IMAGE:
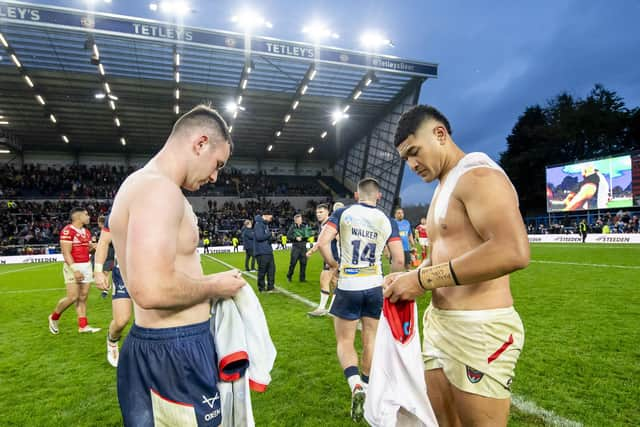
(580, 305)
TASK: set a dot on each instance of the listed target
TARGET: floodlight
(373, 39)
(248, 20)
(28, 80)
(15, 60)
(339, 115)
(318, 31)
(175, 7)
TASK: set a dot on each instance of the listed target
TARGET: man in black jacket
(298, 235)
(246, 234)
(263, 251)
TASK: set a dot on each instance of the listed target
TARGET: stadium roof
(63, 53)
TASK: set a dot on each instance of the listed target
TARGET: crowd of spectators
(35, 181)
(222, 222)
(28, 227)
(70, 182)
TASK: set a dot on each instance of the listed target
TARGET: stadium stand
(37, 181)
(33, 226)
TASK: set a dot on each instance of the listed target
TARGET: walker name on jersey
(367, 234)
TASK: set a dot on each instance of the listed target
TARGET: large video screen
(594, 184)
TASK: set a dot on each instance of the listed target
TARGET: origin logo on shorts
(351, 270)
(474, 376)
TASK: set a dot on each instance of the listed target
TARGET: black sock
(350, 371)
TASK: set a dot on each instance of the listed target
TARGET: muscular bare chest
(452, 234)
(188, 236)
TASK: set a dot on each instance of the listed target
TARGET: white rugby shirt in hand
(245, 354)
(397, 393)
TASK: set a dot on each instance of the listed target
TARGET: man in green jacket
(298, 235)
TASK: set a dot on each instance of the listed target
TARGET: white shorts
(84, 267)
(476, 349)
(424, 241)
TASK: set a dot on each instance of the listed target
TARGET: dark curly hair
(411, 120)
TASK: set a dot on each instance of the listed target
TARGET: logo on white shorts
(474, 375)
(210, 401)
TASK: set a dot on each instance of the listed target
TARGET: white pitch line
(278, 288)
(549, 417)
(523, 405)
(27, 268)
(584, 264)
(24, 291)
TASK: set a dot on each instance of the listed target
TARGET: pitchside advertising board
(534, 238)
(35, 259)
(591, 238)
(610, 183)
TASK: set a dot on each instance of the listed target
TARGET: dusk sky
(495, 58)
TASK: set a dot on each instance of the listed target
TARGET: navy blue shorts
(169, 377)
(119, 288)
(352, 305)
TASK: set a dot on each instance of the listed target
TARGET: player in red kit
(423, 237)
(75, 243)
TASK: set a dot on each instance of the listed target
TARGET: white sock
(323, 300)
(353, 380)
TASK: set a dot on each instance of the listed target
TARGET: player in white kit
(364, 231)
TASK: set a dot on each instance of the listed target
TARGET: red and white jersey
(80, 239)
(422, 231)
(397, 392)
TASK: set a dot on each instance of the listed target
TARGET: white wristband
(73, 267)
(98, 268)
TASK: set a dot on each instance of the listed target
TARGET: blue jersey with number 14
(364, 231)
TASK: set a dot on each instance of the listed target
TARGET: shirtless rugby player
(167, 365)
(472, 334)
